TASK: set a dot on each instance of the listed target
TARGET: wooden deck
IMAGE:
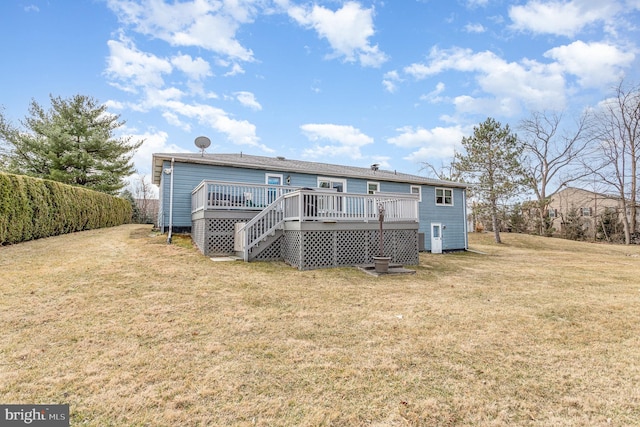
(253, 219)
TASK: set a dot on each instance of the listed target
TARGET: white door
(436, 238)
(273, 192)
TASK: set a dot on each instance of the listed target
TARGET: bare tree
(446, 171)
(619, 135)
(553, 156)
(143, 193)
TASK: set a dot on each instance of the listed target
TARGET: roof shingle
(288, 165)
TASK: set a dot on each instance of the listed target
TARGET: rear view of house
(308, 214)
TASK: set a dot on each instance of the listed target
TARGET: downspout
(170, 202)
(245, 244)
(466, 219)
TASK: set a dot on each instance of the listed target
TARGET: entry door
(273, 193)
(436, 238)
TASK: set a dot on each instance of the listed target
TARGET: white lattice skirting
(310, 246)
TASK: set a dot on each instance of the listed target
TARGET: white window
(552, 213)
(444, 197)
(272, 179)
(416, 189)
(332, 203)
(373, 187)
(340, 185)
(585, 211)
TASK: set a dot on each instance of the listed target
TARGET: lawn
(130, 331)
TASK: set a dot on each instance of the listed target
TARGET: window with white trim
(332, 203)
(586, 211)
(444, 197)
(373, 187)
(338, 184)
(416, 189)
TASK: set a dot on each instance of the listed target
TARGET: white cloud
(210, 25)
(474, 28)
(196, 69)
(391, 80)
(135, 68)
(565, 18)
(248, 99)
(347, 30)
(344, 141)
(434, 96)
(181, 114)
(235, 70)
(116, 105)
(316, 86)
(505, 84)
(477, 3)
(595, 64)
(439, 142)
(161, 96)
(239, 132)
(154, 142)
(174, 120)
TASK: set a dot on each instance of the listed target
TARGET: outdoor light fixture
(288, 180)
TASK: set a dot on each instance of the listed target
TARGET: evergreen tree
(73, 142)
(573, 225)
(517, 221)
(136, 214)
(491, 162)
(610, 227)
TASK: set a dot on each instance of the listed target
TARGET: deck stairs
(261, 231)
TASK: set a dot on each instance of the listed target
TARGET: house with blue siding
(309, 214)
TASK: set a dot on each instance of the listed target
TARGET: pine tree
(491, 163)
(573, 225)
(72, 142)
(136, 214)
(517, 221)
(610, 227)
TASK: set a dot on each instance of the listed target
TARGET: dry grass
(133, 332)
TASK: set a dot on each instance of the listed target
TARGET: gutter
(381, 175)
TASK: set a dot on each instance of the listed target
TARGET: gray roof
(288, 165)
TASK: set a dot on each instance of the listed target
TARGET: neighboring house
(309, 214)
(588, 204)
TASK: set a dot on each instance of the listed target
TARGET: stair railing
(262, 225)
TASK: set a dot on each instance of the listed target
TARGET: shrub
(33, 208)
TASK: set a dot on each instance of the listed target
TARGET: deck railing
(260, 226)
(278, 204)
(304, 204)
(328, 206)
(234, 196)
(314, 205)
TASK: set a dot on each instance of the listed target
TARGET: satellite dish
(202, 142)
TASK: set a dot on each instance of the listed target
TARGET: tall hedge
(32, 208)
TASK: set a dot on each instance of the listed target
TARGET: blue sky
(397, 83)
